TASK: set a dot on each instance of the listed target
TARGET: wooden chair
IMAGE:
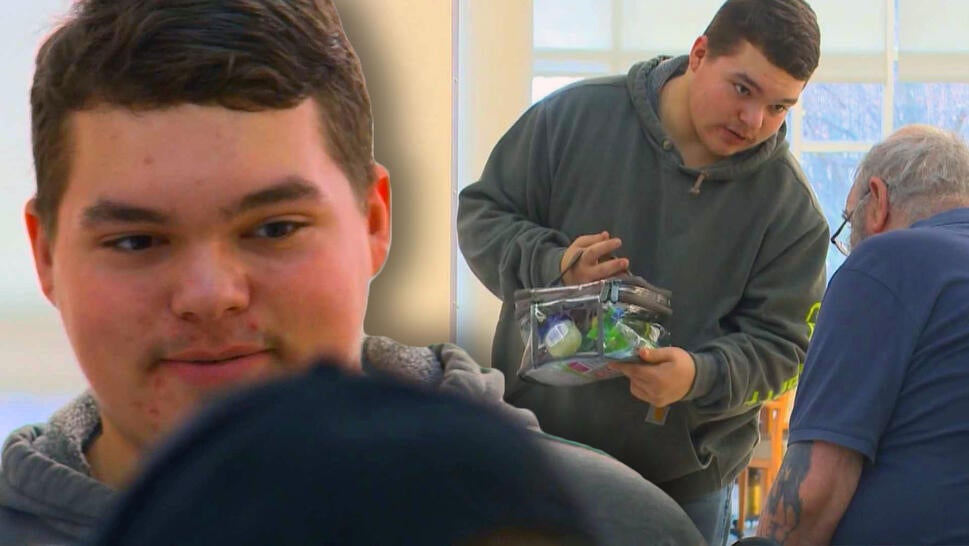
(774, 420)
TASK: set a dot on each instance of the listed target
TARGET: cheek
(106, 317)
(316, 305)
(772, 124)
(110, 320)
(715, 106)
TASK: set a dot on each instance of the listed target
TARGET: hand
(666, 375)
(596, 262)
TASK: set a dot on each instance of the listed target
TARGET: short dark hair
(248, 55)
(785, 31)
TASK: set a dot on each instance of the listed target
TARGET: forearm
(739, 371)
(505, 250)
(503, 222)
(811, 493)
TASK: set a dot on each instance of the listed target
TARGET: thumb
(655, 356)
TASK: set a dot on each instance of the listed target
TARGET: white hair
(925, 168)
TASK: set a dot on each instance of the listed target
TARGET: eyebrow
(291, 188)
(108, 211)
(749, 82)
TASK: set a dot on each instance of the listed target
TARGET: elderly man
(878, 433)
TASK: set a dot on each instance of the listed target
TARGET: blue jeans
(711, 515)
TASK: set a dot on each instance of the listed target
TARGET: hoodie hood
(43, 473)
(644, 81)
(445, 368)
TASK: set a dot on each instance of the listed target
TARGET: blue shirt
(887, 375)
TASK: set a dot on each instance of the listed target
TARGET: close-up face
(200, 248)
(738, 100)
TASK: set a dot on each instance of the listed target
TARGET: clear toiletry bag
(572, 333)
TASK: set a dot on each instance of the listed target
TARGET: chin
(718, 150)
(731, 149)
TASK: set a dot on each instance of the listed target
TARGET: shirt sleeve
(501, 218)
(855, 365)
(760, 358)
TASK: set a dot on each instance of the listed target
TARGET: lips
(736, 134)
(211, 368)
(203, 357)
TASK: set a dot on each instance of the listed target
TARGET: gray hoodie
(47, 495)
(740, 243)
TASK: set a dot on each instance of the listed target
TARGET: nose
(211, 284)
(752, 115)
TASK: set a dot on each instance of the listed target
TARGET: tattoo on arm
(784, 505)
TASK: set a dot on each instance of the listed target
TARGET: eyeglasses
(844, 244)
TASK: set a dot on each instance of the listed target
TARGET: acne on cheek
(164, 406)
(152, 424)
(151, 408)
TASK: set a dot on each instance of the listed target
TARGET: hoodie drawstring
(695, 190)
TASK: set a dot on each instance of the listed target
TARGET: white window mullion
(615, 57)
(834, 146)
(891, 56)
(796, 129)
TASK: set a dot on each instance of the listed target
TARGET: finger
(635, 372)
(601, 250)
(609, 268)
(583, 241)
(624, 367)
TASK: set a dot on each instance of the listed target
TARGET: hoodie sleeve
(465, 378)
(444, 368)
(772, 323)
(501, 216)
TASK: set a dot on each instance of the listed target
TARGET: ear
(878, 211)
(378, 217)
(40, 245)
(698, 52)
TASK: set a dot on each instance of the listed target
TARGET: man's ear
(698, 52)
(40, 245)
(378, 217)
(879, 210)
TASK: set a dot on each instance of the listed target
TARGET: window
(37, 369)
(884, 63)
(20, 409)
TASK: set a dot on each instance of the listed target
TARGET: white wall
(406, 50)
(34, 355)
(446, 79)
(494, 77)
(37, 371)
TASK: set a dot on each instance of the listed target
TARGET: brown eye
(132, 243)
(277, 229)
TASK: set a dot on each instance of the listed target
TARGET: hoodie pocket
(660, 453)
